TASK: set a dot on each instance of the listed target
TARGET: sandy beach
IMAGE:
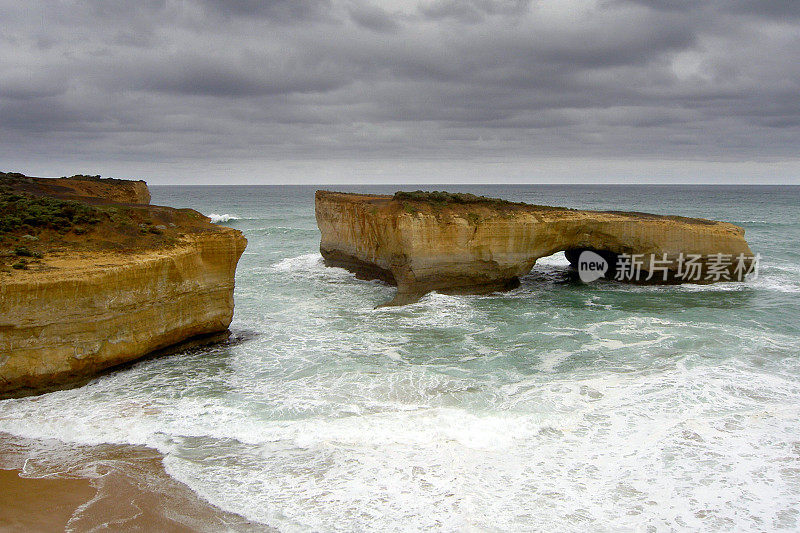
(28, 504)
(50, 486)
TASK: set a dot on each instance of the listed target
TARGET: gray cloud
(201, 82)
(373, 18)
(780, 9)
(473, 11)
(281, 11)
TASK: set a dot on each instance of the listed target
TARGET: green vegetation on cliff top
(443, 198)
(23, 212)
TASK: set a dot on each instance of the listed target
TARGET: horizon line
(618, 184)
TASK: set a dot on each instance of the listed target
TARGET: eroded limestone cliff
(83, 187)
(464, 244)
(132, 281)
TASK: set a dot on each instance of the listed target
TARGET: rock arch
(466, 244)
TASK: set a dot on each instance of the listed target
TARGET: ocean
(558, 406)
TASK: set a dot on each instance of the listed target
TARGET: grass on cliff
(444, 198)
(39, 227)
(19, 212)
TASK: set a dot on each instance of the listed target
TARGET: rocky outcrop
(113, 190)
(71, 324)
(97, 300)
(465, 244)
(83, 187)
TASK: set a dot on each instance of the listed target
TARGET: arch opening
(611, 258)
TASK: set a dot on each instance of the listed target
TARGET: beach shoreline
(47, 485)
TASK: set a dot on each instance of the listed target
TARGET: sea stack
(461, 243)
(92, 276)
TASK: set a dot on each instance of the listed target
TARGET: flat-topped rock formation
(81, 187)
(456, 243)
(87, 284)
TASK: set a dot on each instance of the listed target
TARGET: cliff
(81, 187)
(88, 286)
(466, 244)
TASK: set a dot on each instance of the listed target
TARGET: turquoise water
(557, 406)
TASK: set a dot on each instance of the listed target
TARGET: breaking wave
(221, 219)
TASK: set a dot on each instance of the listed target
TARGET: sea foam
(563, 407)
(221, 219)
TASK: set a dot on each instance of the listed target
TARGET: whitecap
(558, 259)
(302, 263)
(221, 219)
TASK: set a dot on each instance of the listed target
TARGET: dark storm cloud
(779, 9)
(472, 11)
(276, 10)
(226, 77)
(357, 79)
(373, 18)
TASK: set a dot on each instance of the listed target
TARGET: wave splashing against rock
(221, 219)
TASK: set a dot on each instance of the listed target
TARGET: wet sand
(40, 504)
(124, 488)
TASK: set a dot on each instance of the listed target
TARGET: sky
(423, 91)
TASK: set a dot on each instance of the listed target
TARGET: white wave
(764, 281)
(791, 268)
(558, 259)
(777, 284)
(221, 219)
(436, 310)
(453, 414)
(301, 263)
(627, 450)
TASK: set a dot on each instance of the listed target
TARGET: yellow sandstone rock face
(106, 310)
(80, 187)
(114, 293)
(482, 245)
(113, 190)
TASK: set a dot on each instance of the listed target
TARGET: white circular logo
(591, 266)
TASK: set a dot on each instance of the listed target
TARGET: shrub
(18, 211)
(443, 198)
(408, 208)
